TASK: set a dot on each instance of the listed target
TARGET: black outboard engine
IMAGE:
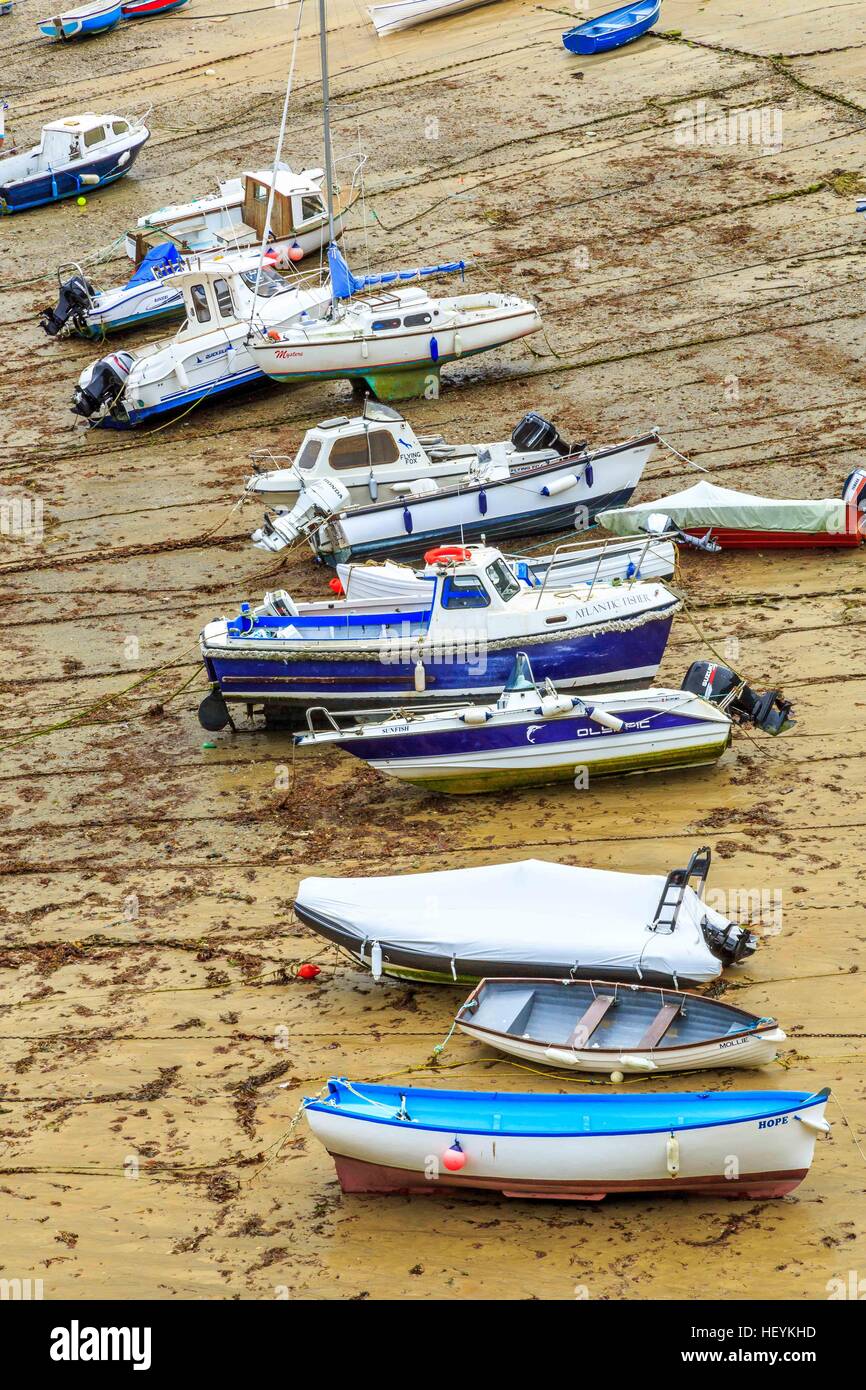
(76, 296)
(731, 943)
(102, 384)
(533, 432)
(722, 686)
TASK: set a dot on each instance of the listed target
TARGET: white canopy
(705, 504)
(387, 583)
(519, 913)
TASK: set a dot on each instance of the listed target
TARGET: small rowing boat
(144, 9)
(411, 1140)
(530, 918)
(612, 30)
(387, 19)
(83, 21)
(598, 1027)
(741, 520)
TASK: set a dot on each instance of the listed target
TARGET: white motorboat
(76, 155)
(151, 293)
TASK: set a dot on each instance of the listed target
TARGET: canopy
(160, 260)
(344, 284)
(705, 504)
(394, 583)
(514, 913)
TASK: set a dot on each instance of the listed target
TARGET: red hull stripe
(763, 540)
(358, 1176)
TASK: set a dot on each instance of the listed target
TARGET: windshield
(269, 282)
(503, 580)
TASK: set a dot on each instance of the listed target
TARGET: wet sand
(715, 292)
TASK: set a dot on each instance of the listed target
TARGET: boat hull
(144, 9)
(757, 1156)
(755, 1050)
(595, 37)
(388, 19)
(39, 189)
(82, 26)
(730, 539)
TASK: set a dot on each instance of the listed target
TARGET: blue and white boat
(149, 294)
(84, 21)
(613, 29)
(209, 355)
(406, 1139)
(460, 644)
(533, 734)
(76, 155)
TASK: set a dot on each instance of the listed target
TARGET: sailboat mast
(326, 117)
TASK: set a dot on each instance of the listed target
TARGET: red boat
(142, 9)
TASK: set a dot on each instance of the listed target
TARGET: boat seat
(660, 1025)
(586, 1026)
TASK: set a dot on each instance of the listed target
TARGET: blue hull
(80, 29)
(131, 418)
(64, 183)
(612, 30)
(599, 659)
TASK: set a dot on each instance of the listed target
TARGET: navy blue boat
(612, 30)
(76, 155)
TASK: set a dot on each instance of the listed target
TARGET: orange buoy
(454, 1158)
(336, 587)
(295, 252)
(308, 972)
(443, 553)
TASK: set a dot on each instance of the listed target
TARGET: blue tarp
(344, 284)
(160, 260)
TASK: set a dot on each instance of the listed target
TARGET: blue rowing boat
(578, 1147)
(614, 29)
(87, 20)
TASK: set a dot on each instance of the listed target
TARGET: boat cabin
(216, 294)
(70, 140)
(298, 202)
(378, 438)
(472, 577)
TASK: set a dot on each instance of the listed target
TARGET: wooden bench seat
(586, 1026)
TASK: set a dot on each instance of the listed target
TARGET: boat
(377, 457)
(83, 21)
(396, 340)
(613, 29)
(529, 918)
(150, 293)
(461, 644)
(741, 520)
(594, 1026)
(209, 355)
(571, 563)
(144, 9)
(75, 155)
(233, 218)
(499, 494)
(532, 735)
(387, 19)
(408, 1139)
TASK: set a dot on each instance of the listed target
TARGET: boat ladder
(676, 883)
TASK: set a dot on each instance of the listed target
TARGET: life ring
(444, 553)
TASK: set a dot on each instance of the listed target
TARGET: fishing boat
(741, 520)
(571, 563)
(387, 19)
(150, 293)
(234, 217)
(461, 644)
(530, 918)
(396, 340)
(613, 29)
(84, 21)
(209, 355)
(144, 9)
(377, 457)
(499, 494)
(593, 1026)
(535, 734)
(402, 1139)
(75, 155)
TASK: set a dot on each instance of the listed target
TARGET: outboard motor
(658, 524)
(101, 385)
(723, 687)
(315, 505)
(730, 943)
(533, 432)
(76, 297)
(854, 489)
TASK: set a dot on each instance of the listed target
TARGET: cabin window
(198, 295)
(120, 127)
(94, 136)
(308, 455)
(383, 447)
(416, 320)
(464, 591)
(224, 298)
(381, 324)
(260, 193)
(269, 282)
(311, 207)
(503, 580)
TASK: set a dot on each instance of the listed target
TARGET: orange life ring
(447, 552)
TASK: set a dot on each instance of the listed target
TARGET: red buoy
(454, 1158)
(295, 252)
(308, 972)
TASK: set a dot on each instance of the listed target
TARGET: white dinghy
(403, 14)
(597, 1027)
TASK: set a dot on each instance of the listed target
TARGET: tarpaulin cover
(160, 260)
(705, 504)
(396, 583)
(524, 912)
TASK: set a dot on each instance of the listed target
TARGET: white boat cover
(705, 504)
(387, 583)
(529, 911)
